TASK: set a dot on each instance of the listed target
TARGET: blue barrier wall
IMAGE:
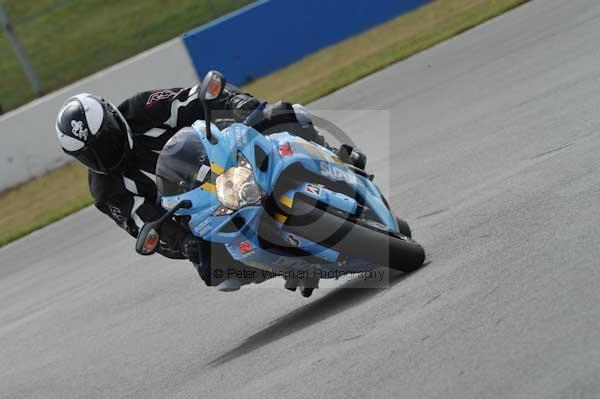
(271, 34)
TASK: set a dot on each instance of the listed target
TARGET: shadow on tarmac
(348, 295)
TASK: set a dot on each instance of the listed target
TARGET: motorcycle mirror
(212, 85)
(148, 238)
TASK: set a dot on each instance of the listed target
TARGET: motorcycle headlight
(237, 188)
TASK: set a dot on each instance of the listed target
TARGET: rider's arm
(179, 107)
(283, 116)
(131, 211)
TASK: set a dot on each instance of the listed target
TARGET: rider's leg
(346, 153)
(282, 116)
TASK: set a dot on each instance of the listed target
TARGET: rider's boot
(308, 285)
(291, 284)
(352, 156)
(346, 153)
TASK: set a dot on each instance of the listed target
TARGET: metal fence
(16, 44)
(26, 14)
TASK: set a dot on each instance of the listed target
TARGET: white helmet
(93, 131)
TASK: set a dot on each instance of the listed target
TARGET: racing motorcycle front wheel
(356, 238)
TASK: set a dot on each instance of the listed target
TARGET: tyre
(356, 239)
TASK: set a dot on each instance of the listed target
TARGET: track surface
(494, 161)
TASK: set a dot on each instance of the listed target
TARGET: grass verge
(66, 40)
(65, 190)
(42, 201)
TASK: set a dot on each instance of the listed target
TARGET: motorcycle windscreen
(183, 164)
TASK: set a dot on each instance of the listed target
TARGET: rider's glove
(191, 248)
(242, 105)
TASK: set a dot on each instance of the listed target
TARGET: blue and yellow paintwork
(239, 138)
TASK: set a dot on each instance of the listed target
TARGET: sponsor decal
(168, 203)
(160, 96)
(312, 189)
(246, 248)
(286, 150)
(240, 136)
(79, 131)
(204, 227)
(292, 240)
(337, 173)
(117, 215)
(202, 173)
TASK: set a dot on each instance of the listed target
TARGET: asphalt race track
(494, 159)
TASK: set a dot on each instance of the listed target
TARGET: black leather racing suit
(130, 198)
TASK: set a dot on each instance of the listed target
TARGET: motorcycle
(277, 203)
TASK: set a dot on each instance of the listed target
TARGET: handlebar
(256, 115)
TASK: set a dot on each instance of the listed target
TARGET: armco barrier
(29, 145)
(271, 34)
(251, 42)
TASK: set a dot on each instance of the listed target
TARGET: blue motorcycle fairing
(322, 194)
(243, 243)
(320, 160)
